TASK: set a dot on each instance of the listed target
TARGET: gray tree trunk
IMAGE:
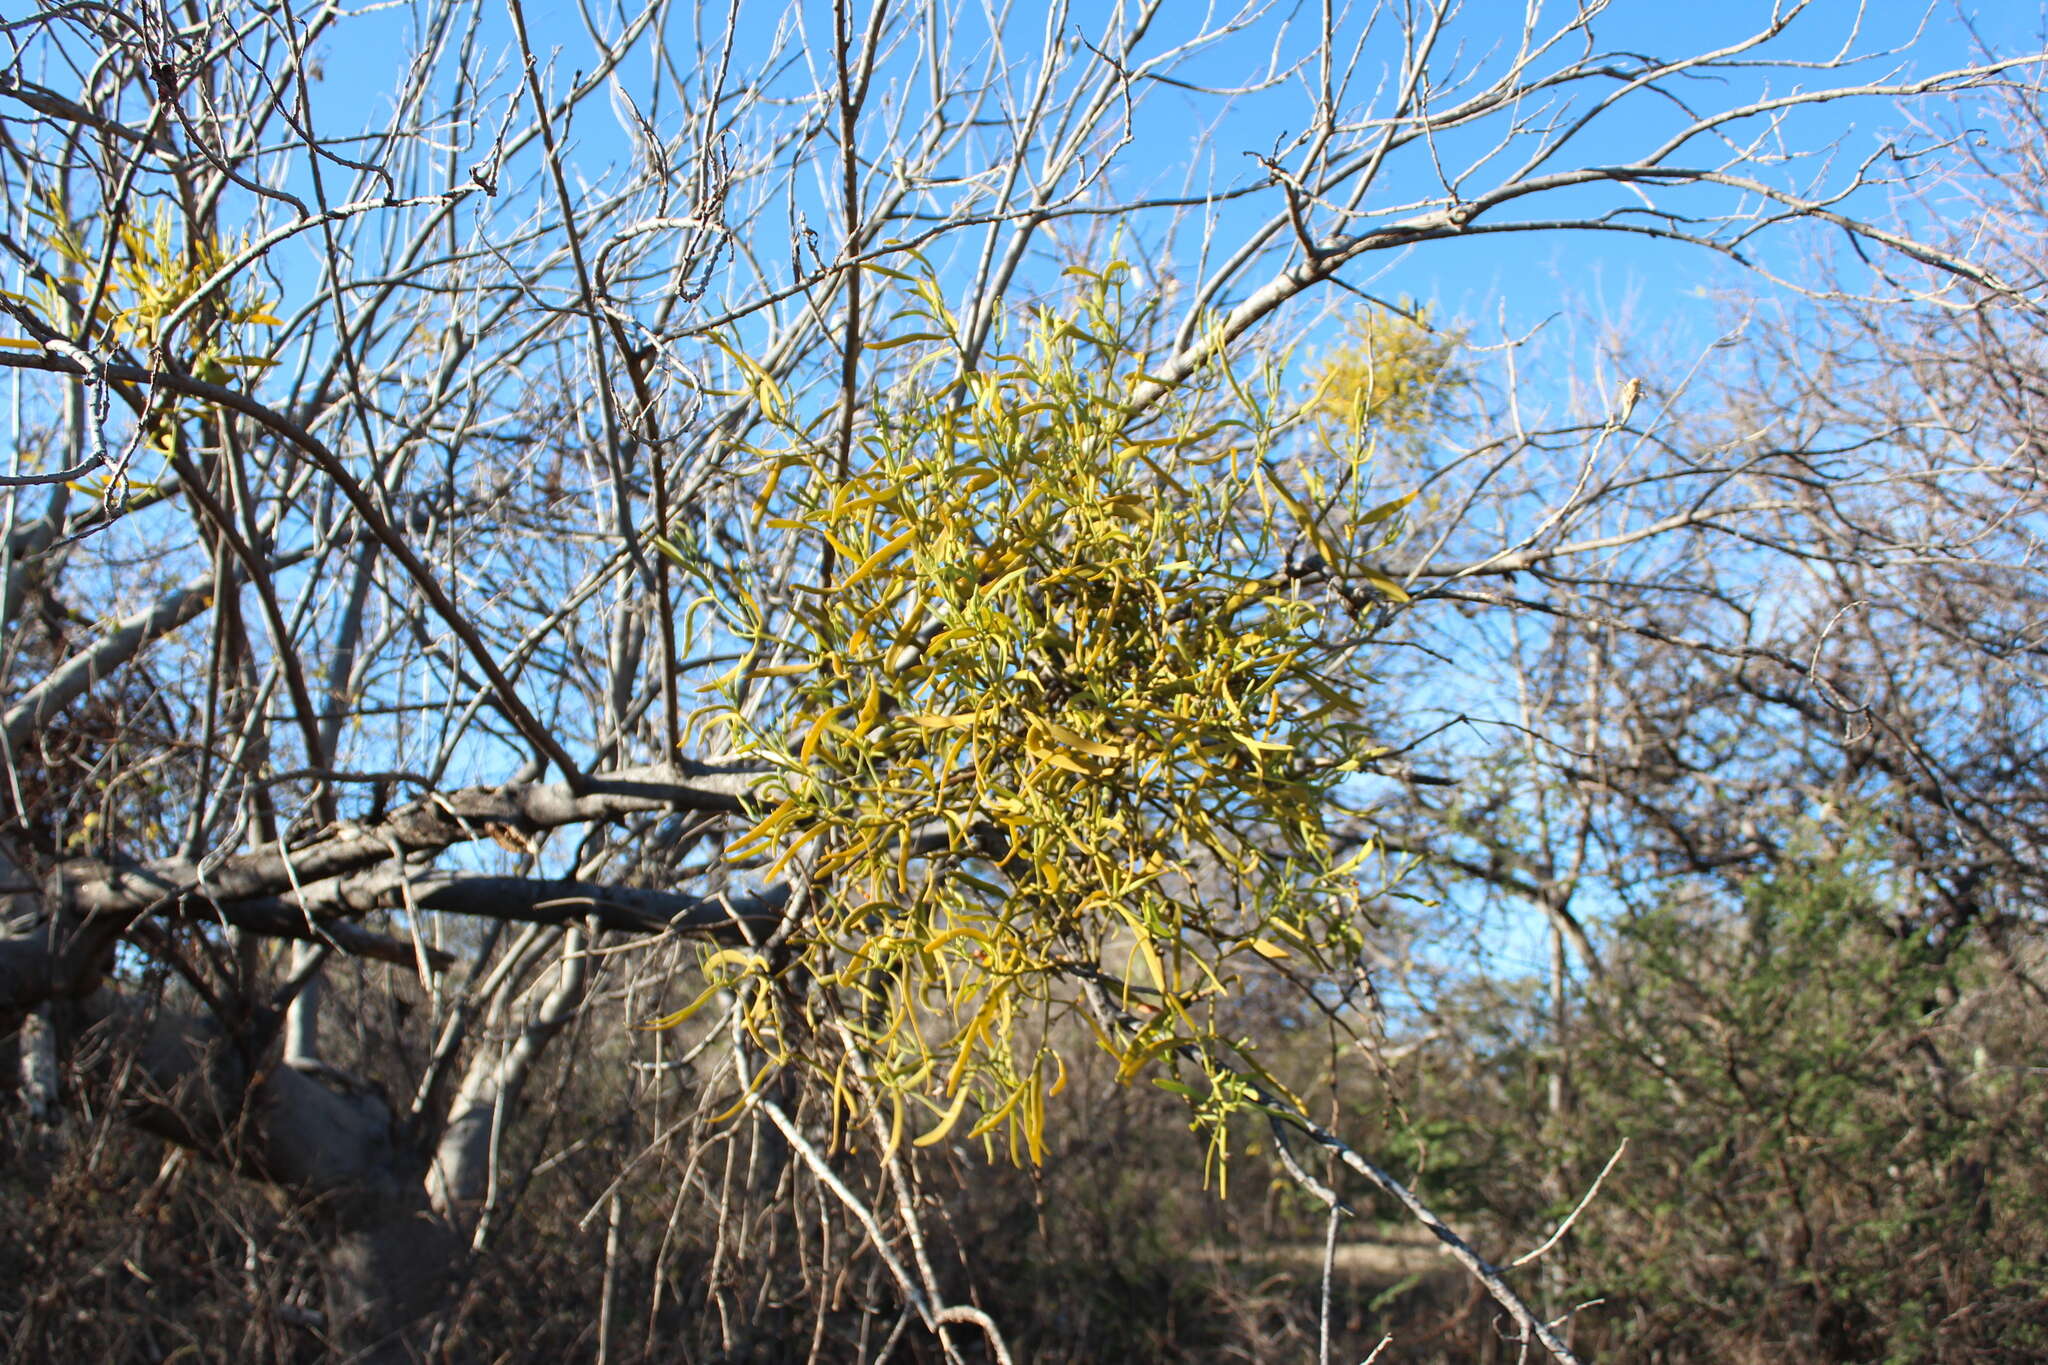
(329, 1144)
(459, 1183)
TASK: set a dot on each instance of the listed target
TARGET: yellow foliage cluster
(149, 274)
(1056, 723)
(1392, 378)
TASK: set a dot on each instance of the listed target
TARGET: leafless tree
(1789, 614)
(1804, 591)
(370, 468)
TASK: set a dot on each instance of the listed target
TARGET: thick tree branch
(427, 825)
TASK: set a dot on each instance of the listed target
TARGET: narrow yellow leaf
(870, 708)
(1059, 760)
(817, 732)
(669, 1021)
(929, 722)
(748, 959)
(877, 560)
(730, 675)
(765, 830)
(1388, 509)
(946, 1122)
(1075, 741)
(746, 1096)
(775, 868)
(1386, 586)
(958, 931)
(890, 343)
(989, 1121)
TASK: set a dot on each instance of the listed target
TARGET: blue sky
(1668, 296)
(1657, 291)
(1519, 280)
(1665, 297)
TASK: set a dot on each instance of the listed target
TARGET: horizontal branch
(433, 822)
(276, 917)
(539, 900)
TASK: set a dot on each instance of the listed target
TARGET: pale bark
(302, 1017)
(70, 680)
(427, 825)
(459, 1183)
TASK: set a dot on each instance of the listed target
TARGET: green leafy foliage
(1831, 1121)
(1814, 1114)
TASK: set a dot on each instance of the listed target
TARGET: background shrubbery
(1832, 1128)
